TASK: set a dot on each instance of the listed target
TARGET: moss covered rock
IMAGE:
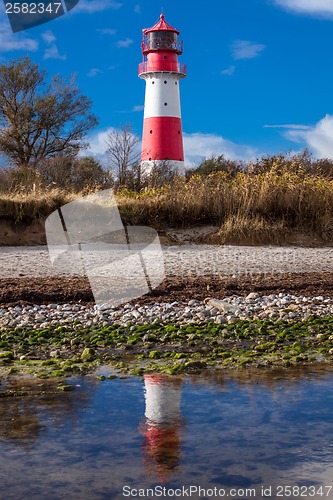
(88, 354)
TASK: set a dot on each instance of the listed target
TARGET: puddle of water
(243, 431)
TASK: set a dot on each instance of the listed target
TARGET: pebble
(221, 305)
(229, 310)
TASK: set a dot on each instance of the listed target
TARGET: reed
(262, 206)
(26, 206)
(266, 207)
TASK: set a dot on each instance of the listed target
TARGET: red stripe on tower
(162, 129)
(162, 139)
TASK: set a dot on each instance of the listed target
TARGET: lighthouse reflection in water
(162, 426)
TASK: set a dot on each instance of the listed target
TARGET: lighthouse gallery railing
(145, 67)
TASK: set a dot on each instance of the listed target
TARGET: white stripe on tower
(162, 95)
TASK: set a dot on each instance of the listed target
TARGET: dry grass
(268, 207)
(22, 206)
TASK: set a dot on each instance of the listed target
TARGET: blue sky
(259, 72)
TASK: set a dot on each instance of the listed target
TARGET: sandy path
(190, 260)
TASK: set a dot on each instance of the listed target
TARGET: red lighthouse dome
(162, 130)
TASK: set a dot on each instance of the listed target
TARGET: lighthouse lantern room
(162, 139)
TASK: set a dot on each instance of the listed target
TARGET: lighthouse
(162, 139)
(163, 425)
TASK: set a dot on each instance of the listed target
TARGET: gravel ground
(259, 282)
(230, 310)
(190, 260)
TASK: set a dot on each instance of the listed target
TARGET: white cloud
(137, 9)
(48, 36)
(138, 107)
(93, 72)
(318, 139)
(229, 71)
(53, 53)
(15, 41)
(315, 7)
(97, 141)
(244, 49)
(199, 146)
(290, 126)
(91, 6)
(123, 44)
(107, 31)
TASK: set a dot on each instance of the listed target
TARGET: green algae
(6, 355)
(65, 387)
(167, 348)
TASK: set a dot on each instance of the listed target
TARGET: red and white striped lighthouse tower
(162, 129)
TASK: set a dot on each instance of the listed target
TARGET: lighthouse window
(157, 40)
(153, 82)
(149, 159)
(165, 57)
(176, 83)
(165, 104)
(178, 131)
(165, 81)
(151, 131)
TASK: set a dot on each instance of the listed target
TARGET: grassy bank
(269, 207)
(26, 206)
(172, 349)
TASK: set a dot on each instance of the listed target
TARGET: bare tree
(123, 152)
(40, 120)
